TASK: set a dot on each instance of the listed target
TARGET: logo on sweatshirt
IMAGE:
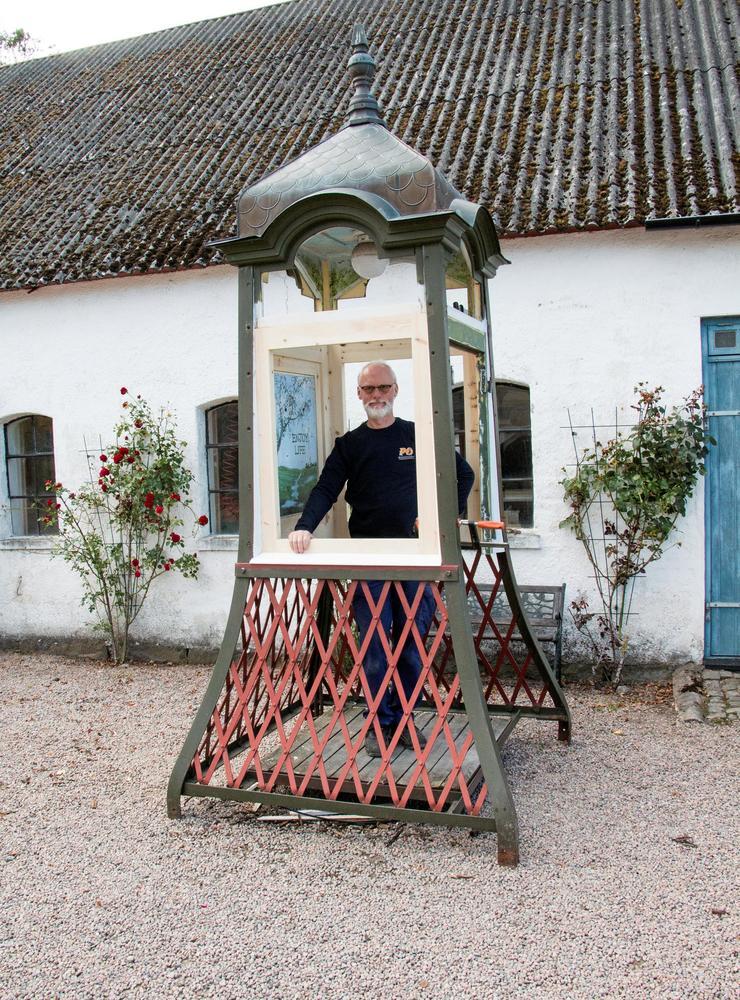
(405, 454)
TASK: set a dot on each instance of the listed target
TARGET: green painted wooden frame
(433, 238)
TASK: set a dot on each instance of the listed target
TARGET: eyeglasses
(385, 387)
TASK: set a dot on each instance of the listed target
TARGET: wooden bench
(543, 607)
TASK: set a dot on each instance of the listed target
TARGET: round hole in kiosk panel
(339, 269)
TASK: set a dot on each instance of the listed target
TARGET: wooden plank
(472, 429)
(303, 747)
(366, 765)
(403, 763)
(335, 760)
(334, 753)
(443, 766)
(337, 526)
(501, 730)
(439, 759)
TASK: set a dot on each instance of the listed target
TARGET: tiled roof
(557, 115)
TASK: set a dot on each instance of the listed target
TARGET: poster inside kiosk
(297, 439)
(300, 408)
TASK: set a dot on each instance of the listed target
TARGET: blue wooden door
(721, 358)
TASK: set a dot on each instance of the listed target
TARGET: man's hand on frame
(299, 541)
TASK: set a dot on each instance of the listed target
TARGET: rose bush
(625, 498)
(117, 530)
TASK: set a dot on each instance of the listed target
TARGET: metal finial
(363, 107)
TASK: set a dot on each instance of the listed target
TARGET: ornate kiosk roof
(363, 156)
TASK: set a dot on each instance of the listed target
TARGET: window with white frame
(222, 452)
(29, 464)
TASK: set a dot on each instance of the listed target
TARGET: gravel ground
(103, 896)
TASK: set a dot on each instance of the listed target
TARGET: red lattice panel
(509, 672)
(289, 676)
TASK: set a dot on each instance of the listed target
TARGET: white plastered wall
(580, 319)
(67, 351)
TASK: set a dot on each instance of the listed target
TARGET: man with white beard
(377, 461)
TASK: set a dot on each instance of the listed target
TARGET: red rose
(167, 567)
(134, 563)
(104, 488)
(175, 537)
(104, 472)
(48, 483)
(159, 509)
(149, 501)
(137, 574)
(124, 390)
(174, 496)
(49, 503)
(103, 458)
(58, 506)
(130, 459)
(138, 423)
(202, 519)
(117, 457)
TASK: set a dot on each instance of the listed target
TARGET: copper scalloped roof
(366, 156)
(557, 115)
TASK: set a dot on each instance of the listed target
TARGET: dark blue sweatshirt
(379, 467)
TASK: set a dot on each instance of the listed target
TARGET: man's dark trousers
(393, 619)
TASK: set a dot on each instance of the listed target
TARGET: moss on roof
(558, 115)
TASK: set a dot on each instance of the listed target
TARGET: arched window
(29, 463)
(222, 438)
(515, 441)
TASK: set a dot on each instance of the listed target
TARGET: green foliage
(117, 531)
(625, 498)
(15, 45)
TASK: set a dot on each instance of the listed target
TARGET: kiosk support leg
(507, 827)
(202, 717)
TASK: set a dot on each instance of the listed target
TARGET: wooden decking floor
(403, 762)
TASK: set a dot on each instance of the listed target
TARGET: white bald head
(377, 388)
(377, 373)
